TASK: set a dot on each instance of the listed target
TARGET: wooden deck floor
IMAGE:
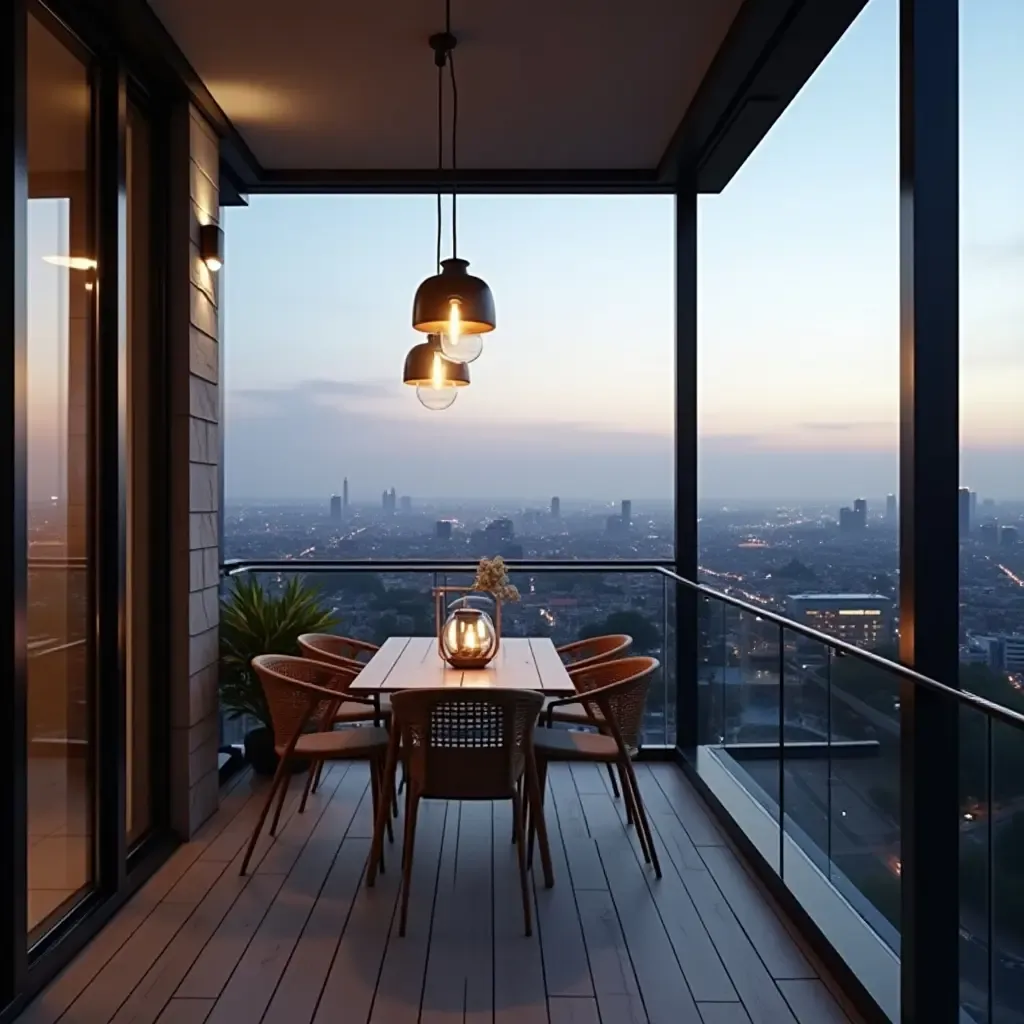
(301, 940)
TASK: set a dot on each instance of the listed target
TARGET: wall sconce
(211, 246)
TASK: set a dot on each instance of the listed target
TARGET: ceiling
(543, 84)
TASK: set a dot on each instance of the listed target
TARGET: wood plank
(812, 1002)
(773, 942)
(114, 984)
(615, 984)
(418, 667)
(701, 965)
(573, 1010)
(372, 676)
(513, 668)
(519, 992)
(566, 969)
(754, 985)
(186, 1011)
(663, 987)
(554, 678)
(581, 854)
(79, 974)
(400, 988)
(474, 902)
(213, 967)
(252, 984)
(723, 1013)
(161, 981)
(696, 818)
(298, 993)
(352, 980)
(444, 994)
(589, 778)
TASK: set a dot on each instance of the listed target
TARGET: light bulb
(454, 318)
(436, 399)
(464, 348)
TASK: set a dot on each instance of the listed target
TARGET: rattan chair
(614, 693)
(299, 695)
(332, 649)
(579, 657)
(594, 650)
(464, 744)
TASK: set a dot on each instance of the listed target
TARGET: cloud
(842, 425)
(321, 386)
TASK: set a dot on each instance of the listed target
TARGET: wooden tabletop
(412, 663)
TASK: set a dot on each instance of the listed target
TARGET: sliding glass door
(60, 351)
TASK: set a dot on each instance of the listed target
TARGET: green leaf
(255, 622)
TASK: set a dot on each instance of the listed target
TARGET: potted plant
(254, 622)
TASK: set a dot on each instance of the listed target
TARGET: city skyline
(798, 385)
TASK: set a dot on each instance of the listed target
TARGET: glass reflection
(59, 355)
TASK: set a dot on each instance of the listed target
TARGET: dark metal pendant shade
(431, 308)
(426, 366)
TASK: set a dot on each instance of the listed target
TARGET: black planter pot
(260, 753)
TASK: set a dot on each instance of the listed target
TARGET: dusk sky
(574, 391)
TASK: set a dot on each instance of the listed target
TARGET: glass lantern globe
(468, 638)
(436, 399)
(462, 348)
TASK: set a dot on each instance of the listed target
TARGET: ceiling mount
(442, 43)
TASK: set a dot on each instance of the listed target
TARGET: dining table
(414, 663)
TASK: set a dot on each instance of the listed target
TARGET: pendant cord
(440, 155)
(455, 165)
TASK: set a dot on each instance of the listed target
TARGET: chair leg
(536, 779)
(310, 775)
(519, 791)
(280, 778)
(380, 802)
(517, 824)
(614, 770)
(641, 814)
(630, 799)
(317, 768)
(615, 785)
(412, 806)
(381, 817)
(282, 793)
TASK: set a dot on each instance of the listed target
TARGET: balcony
(301, 939)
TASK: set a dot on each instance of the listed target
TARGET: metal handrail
(234, 567)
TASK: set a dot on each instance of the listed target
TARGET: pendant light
(436, 378)
(452, 303)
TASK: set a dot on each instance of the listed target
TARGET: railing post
(929, 478)
(686, 539)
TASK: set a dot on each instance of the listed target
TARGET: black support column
(686, 551)
(929, 478)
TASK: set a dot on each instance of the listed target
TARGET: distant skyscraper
(989, 533)
(389, 501)
(890, 508)
(964, 512)
(1008, 536)
(847, 520)
(556, 508)
(335, 506)
(406, 504)
(860, 513)
(443, 529)
(501, 530)
(344, 497)
(627, 513)
(974, 506)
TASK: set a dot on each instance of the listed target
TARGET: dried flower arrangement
(492, 578)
